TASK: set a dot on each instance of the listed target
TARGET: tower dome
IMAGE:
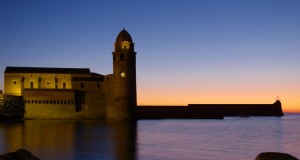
(124, 36)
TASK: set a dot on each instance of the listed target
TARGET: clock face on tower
(122, 74)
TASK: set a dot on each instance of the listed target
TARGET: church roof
(47, 70)
(124, 36)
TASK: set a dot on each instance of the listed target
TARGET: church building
(78, 93)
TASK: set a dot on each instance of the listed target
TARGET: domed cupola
(124, 36)
(124, 42)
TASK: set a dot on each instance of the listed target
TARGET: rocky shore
(11, 107)
(20, 154)
(275, 156)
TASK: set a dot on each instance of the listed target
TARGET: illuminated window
(64, 85)
(31, 85)
(122, 57)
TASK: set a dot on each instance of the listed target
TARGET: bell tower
(123, 103)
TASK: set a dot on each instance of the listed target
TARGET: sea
(233, 138)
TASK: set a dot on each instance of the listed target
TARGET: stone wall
(49, 104)
(87, 101)
(239, 109)
(13, 84)
(209, 111)
(90, 97)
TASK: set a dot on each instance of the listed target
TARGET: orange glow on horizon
(290, 101)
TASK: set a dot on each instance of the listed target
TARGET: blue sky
(194, 51)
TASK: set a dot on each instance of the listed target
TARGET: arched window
(64, 85)
(31, 85)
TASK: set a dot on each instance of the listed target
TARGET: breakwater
(209, 111)
(11, 107)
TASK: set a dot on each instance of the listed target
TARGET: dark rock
(11, 107)
(275, 156)
(20, 154)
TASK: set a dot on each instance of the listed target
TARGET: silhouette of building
(207, 111)
(78, 93)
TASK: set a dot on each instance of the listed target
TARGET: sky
(188, 51)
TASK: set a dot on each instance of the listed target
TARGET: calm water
(228, 139)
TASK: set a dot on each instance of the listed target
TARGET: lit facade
(77, 93)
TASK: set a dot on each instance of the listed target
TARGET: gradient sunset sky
(188, 51)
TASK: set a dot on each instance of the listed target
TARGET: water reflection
(228, 139)
(56, 139)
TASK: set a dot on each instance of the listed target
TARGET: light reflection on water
(63, 139)
(228, 139)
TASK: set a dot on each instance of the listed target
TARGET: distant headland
(78, 93)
